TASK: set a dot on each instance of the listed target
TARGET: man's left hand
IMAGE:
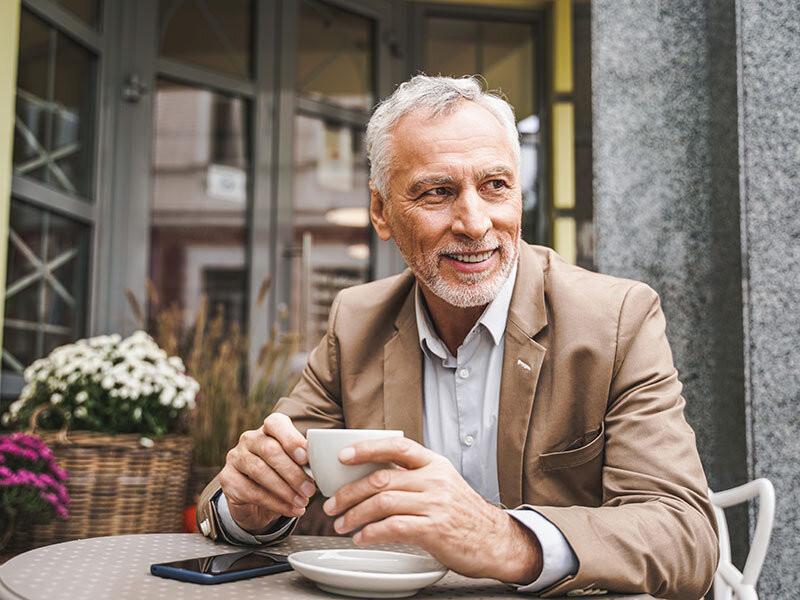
(426, 502)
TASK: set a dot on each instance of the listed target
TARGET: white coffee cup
(324, 446)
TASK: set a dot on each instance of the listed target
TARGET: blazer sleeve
(655, 531)
(315, 402)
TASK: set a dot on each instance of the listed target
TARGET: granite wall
(696, 111)
(667, 204)
(768, 41)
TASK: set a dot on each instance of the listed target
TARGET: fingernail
(299, 455)
(338, 524)
(300, 501)
(357, 537)
(330, 506)
(308, 488)
(298, 511)
(347, 454)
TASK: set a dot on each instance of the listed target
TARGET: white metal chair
(729, 582)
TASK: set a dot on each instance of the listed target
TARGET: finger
(239, 489)
(280, 427)
(254, 468)
(379, 507)
(378, 481)
(399, 450)
(272, 453)
(397, 529)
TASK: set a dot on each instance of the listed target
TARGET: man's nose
(471, 218)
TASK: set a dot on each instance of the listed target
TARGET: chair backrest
(729, 582)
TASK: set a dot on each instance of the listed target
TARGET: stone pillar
(696, 113)
(667, 203)
(768, 41)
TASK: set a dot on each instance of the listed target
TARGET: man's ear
(377, 214)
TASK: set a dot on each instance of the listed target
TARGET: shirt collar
(494, 317)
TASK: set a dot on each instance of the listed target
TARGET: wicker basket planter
(117, 486)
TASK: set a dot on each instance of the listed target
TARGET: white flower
(137, 413)
(56, 398)
(167, 395)
(107, 383)
(81, 397)
(81, 412)
(146, 442)
(6, 418)
(16, 407)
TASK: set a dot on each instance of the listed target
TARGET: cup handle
(308, 472)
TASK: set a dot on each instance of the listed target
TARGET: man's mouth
(472, 257)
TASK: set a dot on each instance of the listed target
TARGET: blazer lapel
(522, 363)
(402, 375)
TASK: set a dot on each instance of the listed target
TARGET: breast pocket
(575, 475)
(584, 452)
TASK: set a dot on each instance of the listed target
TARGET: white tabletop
(119, 567)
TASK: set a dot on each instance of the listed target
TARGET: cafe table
(118, 568)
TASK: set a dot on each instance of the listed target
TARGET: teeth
(473, 258)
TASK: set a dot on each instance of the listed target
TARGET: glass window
(86, 10)
(503, 53)
(54, 132)
(48, 262)
(214, 34)
(335, 57)
(201, 165)
(331, 220)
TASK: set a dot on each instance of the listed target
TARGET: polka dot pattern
(119, 567)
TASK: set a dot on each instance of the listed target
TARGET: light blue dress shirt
(461, 402)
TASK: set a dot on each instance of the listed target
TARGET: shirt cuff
(232, 529)
(558, 558)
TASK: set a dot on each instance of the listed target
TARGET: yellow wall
(9, 40)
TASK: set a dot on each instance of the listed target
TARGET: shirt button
(468, 439)
(463, 373)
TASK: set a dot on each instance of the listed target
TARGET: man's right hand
(263, 479)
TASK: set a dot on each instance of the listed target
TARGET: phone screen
(229, 563)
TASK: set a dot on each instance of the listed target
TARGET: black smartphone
(223, 567)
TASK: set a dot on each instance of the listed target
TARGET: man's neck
(452, 323)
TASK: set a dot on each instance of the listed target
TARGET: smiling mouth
(472, 257)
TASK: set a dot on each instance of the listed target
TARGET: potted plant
(115, 413)
(31, 484)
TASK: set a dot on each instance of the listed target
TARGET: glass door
(198, 220)
(327, 241)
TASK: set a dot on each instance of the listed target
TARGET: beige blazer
(591, 428)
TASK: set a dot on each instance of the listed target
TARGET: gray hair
(437, 96)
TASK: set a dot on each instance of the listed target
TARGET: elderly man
(545, 445)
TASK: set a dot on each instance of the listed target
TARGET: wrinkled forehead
(465, 141)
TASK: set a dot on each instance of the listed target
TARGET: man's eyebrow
(430, 181)
(495, 171)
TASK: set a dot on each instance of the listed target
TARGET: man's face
(454, 205)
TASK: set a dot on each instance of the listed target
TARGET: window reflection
(213, 34)
(200, 200)
(331, 222)
(53, 133)
(48, 262)
(334, 58)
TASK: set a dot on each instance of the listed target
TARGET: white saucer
(367, 573)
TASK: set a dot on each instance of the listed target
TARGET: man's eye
(497, 184)
(439, 191)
